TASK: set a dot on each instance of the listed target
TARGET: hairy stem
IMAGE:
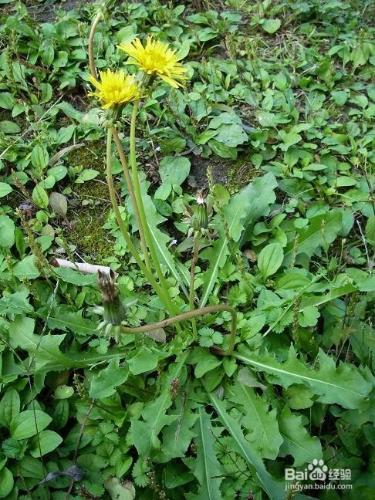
(124, 230)
(203, 311)
(94, 25)
(138, 196)
(192, 280)
(129, 184)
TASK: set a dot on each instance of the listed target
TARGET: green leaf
(289, 139)
(299, 397)
(206, 136)
(179, 272)
(293, 279)
(274, 490)
(5, 189)
(333, 294)
(144, 433)
(144, 361)
(88, 174)
(58, 172)
(8, 127)
(13, 449)
(7, 101)
(271, 25)
(206, 466)
(345, 181)
(322, 231)
(308, 316)
(344, 385)
(7, 230)
(66, 133)
(104, 384)
(370, 230)
(40, 197)
(242, 211)
(297, 441)
(261, 424)
(6, 482)
(9, 407)
(26, 268)
(231, 135)
(39, 157)
(63, 392)
(126, 34)
(15, 303)
(48, 357)
(46, 92)
(44, 349)
(222, 150)
(44, 443)
(270, 259)
(340, 97)
(28, 423)
(163, 191)
(67, 318)
(205, 365)
(178, 435)
(174, 170)
(48, 182)
(47, 53)
(161, 241)
(268, 119)
(74, 277)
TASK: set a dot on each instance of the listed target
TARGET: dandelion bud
(200, 215)
(114, 312)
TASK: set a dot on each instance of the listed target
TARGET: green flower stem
(203, 311)
(94, 25)
(192, 280)
(104, 8)
(129, 184)
(138, 196)
(124, 230)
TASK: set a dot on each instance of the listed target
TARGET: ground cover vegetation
(218, 157)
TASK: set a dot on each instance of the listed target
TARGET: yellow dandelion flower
(114, 88)
(156, 58)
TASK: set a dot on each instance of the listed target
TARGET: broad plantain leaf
(28, 423)
(270, 259)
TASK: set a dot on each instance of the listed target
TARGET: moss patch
(90, 156)
(86, 230)
(232, 174)
(240, 174)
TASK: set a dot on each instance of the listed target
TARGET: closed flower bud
(114, 312)
(200, 215)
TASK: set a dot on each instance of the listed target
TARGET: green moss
(92, 206)
(240, 174)
(86, 230)
(90, 156)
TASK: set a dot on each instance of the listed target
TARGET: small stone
(58, 203)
